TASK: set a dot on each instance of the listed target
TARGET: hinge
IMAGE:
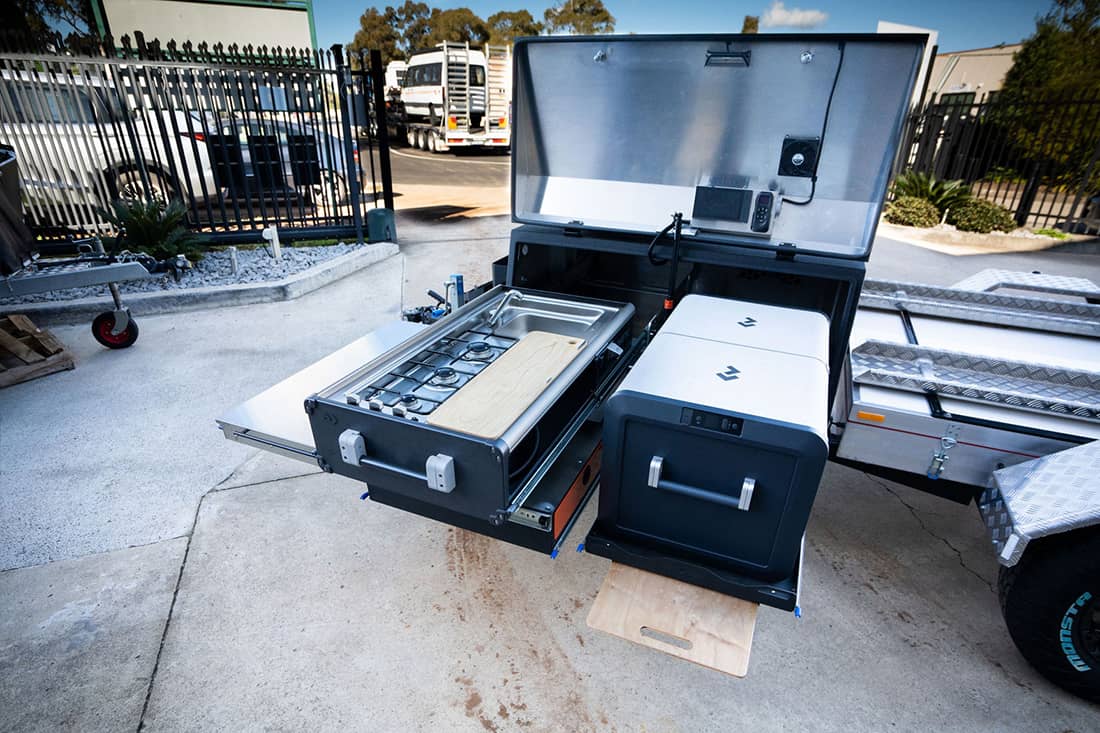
(573, 229)
(785, 252)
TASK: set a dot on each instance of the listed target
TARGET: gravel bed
(254, 266)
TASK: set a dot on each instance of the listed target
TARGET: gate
(1038, 157)
(245, 138)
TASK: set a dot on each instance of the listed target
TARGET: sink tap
(495, 315)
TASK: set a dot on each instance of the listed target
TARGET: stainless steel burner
(409, 401)
(443, 376)
(478, 351)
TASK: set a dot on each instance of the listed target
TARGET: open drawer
(482, 420)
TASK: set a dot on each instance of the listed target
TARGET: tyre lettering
(1065, 635)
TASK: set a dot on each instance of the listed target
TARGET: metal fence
(1038, 157)
(245, 138)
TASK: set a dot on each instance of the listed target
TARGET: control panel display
(740, 210)
(711, 421)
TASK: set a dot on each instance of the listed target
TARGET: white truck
(457, 96)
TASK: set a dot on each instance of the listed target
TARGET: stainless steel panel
(1054, 494)
(907, 441)
(978, 378)
(275, 419)
(617, 132)
(1019, 312)
(1014, 344)
(987, 281)
(28, 282)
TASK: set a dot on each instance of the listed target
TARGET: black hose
(675, 226)
(653, 258)
(677, 223)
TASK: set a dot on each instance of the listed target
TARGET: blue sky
(962, 23)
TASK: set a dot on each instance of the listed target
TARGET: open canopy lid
(617, 133)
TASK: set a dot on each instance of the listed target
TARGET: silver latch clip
(940, 457)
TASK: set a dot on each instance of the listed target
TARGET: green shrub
(1053, 233)
(979, 215)
(943, 195)
(912, 211)
(153, 227)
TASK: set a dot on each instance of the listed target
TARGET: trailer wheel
(1051, 605)
(422, 140)
(102, 328)
(410, 137)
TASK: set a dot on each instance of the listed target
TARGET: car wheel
(332, 189)
(1051, 605)
(131, 186)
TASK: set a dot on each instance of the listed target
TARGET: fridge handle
(742, 502)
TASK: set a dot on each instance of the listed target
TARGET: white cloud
(778, 16)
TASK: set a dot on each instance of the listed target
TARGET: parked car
(80, 146)
(82, 143)
(277, 155)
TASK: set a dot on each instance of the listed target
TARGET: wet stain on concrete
(520, 667)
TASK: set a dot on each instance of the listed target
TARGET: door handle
(742, 501)
(439, 469)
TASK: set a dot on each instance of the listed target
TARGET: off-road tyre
(1051, 604)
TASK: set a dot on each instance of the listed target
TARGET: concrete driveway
(158, 577)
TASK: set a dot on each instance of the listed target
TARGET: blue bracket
(798, 611)
(365, 496)
(580, 547)
(554, 554)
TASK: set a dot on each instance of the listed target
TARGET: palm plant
(941, 194)
(153, 227)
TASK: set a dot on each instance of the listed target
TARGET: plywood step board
(676, 618)
(489, 403)
(27, 352)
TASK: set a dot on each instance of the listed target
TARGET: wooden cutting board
(489, 403)
(686, 621)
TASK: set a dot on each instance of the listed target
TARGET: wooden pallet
(27, 352)
(683, 620)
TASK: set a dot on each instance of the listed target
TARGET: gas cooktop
(418, 386)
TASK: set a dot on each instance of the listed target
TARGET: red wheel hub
(106, 326)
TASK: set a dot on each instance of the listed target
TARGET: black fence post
(1027, 197)
(378, 87)
(344, 89)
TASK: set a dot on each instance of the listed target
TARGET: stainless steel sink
(519, 314)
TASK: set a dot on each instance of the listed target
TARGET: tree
(1058, 64)
(1062, 58)
(579, 17)
(375, 32)
(456, 25)
(507, 25)
(36, 23)
(751, 24)
(411, 20)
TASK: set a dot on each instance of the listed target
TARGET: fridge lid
(617, 133)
